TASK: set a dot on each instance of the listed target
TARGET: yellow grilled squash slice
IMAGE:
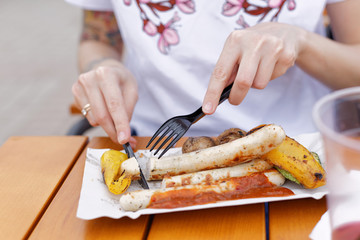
(297, 160)
(116, 181)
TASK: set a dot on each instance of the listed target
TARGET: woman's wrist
(303, 43)
(103, 61)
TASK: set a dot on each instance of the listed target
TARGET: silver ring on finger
(85, 109)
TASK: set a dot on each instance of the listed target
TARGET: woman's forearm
(93, 53)
(100, 40)
(333, 63)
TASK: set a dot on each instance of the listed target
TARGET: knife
(130, 154)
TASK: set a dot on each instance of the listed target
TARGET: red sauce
(185, 181)
(252, 186)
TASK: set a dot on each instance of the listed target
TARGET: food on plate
(196, 143)
(299, 162)
(255, 129)
(115, 175)
(235, 165)
(119, 185)
(230, 135)
(110, 165)
(260, 184)
(130, 167)
(228, 154)
(210, 176)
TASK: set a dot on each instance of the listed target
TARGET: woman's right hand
(111, 90)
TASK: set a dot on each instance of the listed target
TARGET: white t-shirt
(172, 48)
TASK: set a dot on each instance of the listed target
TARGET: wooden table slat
(294, 219)
(32, 170)
(240, 222)
(60, 221)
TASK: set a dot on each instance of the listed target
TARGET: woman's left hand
(251, 58)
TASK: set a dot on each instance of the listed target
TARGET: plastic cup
(337, 117)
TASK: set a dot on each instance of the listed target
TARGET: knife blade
(131, 154)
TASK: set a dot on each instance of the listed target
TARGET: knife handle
(128, 150)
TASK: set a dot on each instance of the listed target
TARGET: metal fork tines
(176, 127)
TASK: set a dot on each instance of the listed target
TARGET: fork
(177, 126)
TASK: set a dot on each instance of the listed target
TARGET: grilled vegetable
(298, 161)
(193, 144)
(287, 175)
(120, 185)
(230, 135)
(116, 181)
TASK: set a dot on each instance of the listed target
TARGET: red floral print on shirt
(233, 7)
(166, 31)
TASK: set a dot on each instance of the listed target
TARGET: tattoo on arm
(102, 26)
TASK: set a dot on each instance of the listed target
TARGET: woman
(147, 61)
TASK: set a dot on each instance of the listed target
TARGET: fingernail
(121, 136)
(207, 107)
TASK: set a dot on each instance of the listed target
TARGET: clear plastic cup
(337, 117)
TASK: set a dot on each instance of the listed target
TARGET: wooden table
(41, 180)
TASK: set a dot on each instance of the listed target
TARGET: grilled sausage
(210, 176)
(229, 154)
(230, 189)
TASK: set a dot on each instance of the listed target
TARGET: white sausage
(229, 154)
(131, 168)
(210, 176)
(136, 200)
